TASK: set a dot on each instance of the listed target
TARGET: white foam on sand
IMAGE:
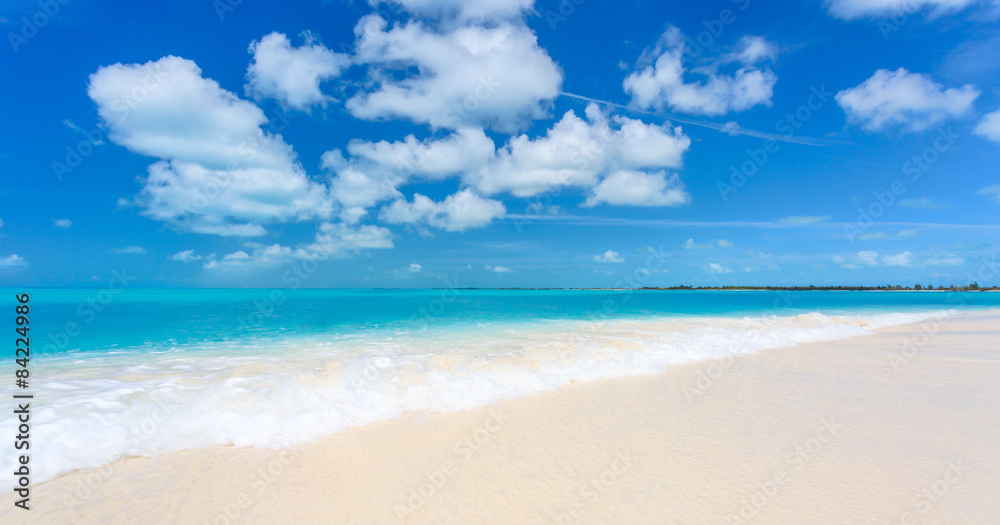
(92, 410)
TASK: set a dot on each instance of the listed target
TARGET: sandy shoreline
(900, 426)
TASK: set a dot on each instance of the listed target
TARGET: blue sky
(424, 143)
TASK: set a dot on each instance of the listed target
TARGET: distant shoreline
(751, 289)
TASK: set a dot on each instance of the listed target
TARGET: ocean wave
(92, 410)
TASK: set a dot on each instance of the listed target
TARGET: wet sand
(897, 427)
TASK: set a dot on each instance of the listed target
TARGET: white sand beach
(897, 427)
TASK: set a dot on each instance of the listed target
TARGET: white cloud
(185, 256)
(991, 191)
(575, 152)
(464, 150)
(292, 75)
(332, 241)
(724, 243)
(636, 188)
(130, 250)
(753, 49)
(853, 9)
(337, 240)
(661, 83)
(496, 76)
(376, 170)
(910, 100)
(717, 268)
(609, 256)
(62, 223)
(415, 268)
(862, 259)
(463, 10)
(904, 259)
(458, 212)
(221, 173)
(12, 262)
(989, 126)
(500, 269)
(794, 220)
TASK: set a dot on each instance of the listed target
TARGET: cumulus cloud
(912, 101)
(500, 269)
(12, 262)
(292, 75)
(186, 256)
(636, 188)
(416, 268)
(989, 126)
(458, 212)
(475, 75)
(61, 223)
(609, 256)
(661, 83)
(375, 170)
(434, 159)
(576, 152)
(220, 173)
(854, 9)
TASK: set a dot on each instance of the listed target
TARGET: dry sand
(833, 432)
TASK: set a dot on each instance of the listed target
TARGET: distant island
(974, 287)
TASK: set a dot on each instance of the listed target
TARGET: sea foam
(91, 410)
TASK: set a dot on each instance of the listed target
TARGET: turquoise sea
(144, 372)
